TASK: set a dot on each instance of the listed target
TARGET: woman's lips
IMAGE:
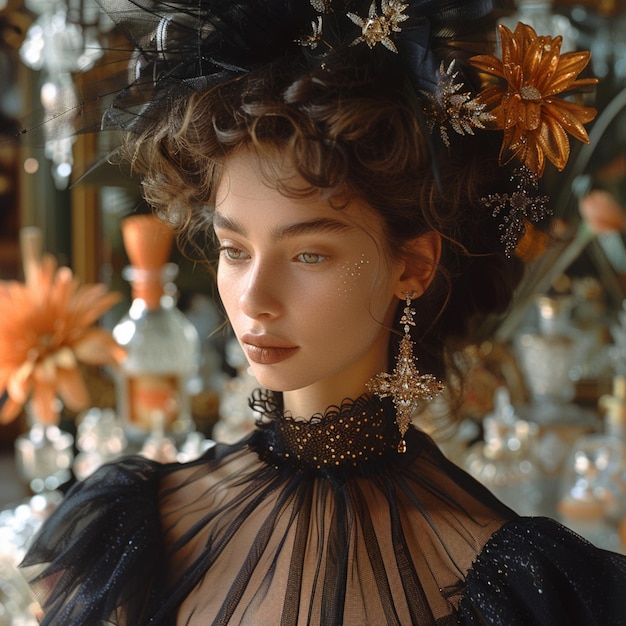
(265, 350)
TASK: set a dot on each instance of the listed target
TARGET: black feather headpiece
(192, 45)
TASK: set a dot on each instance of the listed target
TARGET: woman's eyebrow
(228, 223)
(318, 225)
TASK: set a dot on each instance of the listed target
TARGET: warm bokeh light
(31, 165)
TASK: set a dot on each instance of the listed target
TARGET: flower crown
(518, 94)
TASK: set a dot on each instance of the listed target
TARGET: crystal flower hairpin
(379, 28)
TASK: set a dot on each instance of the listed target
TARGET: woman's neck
(350, 383)
(315, 399)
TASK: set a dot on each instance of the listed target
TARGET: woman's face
(308, 289)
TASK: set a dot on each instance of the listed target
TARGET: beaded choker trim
(358, 431)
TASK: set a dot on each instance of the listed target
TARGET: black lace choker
(358, 431)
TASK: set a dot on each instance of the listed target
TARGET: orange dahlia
(46, 330)
(535, 122)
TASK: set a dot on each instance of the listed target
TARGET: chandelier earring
(405, 385)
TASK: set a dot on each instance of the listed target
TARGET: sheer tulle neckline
(346, 436)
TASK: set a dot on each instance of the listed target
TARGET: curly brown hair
(351, 129)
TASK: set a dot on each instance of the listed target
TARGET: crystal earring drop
(405, 385)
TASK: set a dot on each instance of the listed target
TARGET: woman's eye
(232, 254)
(311, 258)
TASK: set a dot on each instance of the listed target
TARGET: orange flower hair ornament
(525, 106)
(46, 331)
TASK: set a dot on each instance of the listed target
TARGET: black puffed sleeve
(536, 572)
(99, 558)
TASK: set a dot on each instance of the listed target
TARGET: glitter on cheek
(350, 274)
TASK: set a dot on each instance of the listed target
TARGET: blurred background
(544, 418)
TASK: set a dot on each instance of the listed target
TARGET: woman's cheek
(350, 275)
(226, 287)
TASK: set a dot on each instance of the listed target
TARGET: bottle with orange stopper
(162, 345)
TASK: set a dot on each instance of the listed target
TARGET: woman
(356, 253)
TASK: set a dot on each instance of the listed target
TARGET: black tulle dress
(320, 522)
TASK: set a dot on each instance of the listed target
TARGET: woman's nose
(262, 293)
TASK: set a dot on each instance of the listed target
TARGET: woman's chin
(272, 381)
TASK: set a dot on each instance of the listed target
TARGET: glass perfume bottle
(544, 20)
(504, 461)
(546, 355)
(162, 345)
(589, 501)
(44, 455)
(614, 408)
(237, 418)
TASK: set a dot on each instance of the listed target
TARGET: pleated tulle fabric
(257, 533)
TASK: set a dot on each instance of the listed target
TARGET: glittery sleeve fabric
(99, 558)
(536, 572)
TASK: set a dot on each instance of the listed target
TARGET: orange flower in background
(534, 120)
(46, 330)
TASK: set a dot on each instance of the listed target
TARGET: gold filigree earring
(406, 386)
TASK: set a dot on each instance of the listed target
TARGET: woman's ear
(421, 260)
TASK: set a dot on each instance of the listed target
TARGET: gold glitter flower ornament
(525, 105)
(378, 28)
(448, 105)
